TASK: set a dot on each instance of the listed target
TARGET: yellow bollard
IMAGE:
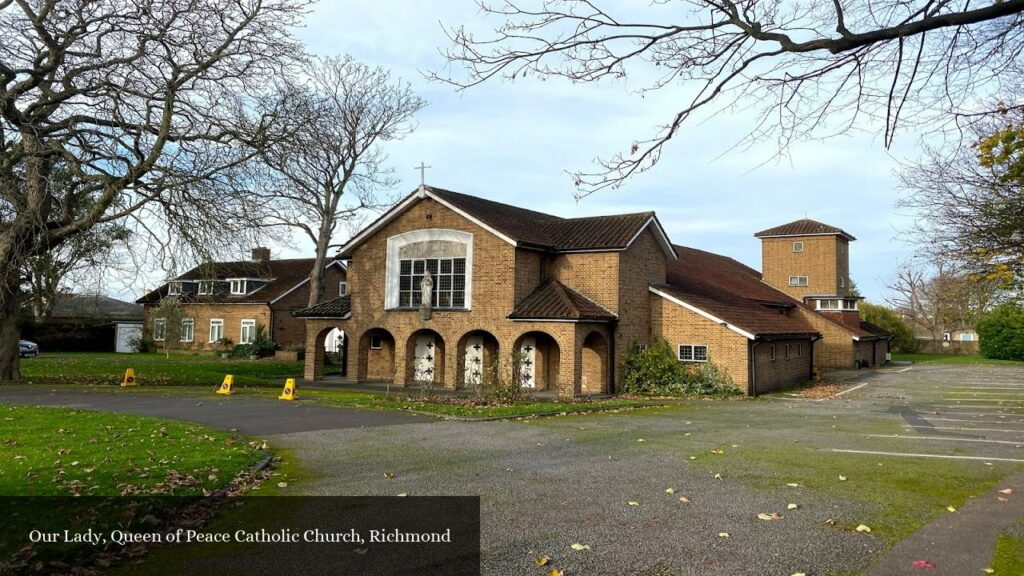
(129, 378)
(289, 390)
(225, 386)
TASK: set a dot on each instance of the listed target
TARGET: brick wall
(289, 330)
(640, 266)
(677, 325)
(835, 350)
(782, 372)
(231, 314)
(593, 274)
(823, 260)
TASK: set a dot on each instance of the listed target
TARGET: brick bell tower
(810, 261)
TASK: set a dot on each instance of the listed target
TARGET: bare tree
(142, 103)
(811, 69)
(969, 201)
(938, 297)
(326, 168)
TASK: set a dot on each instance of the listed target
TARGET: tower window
(798, 246)
(800, 281)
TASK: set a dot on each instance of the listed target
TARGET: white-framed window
(848, 304)
(693, 353)
(376, 342)
(248, 333)
(216, 329)
(785, 351)
(159, 329)
(447, 254)
(967, 337)
(798, 246)
(342, 288)
(829, 304)
(800, 281)
(206, 287)
(188, 329)
(174, 289)
(799, 349)
(238, 286)
(771, 352)
(946, 336)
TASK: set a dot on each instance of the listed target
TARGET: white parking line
(861, 385)
(912, 455)
(975, 421)
(1018, 388)
(984, 399)
(970, 406)
(962, 429)
(980, 393)
(946, 438)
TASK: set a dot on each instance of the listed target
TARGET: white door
(127, 336)
(423, 366)
(474, 367)
(528, 369)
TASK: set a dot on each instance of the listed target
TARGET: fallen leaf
(772, 516)
(793, 485)
(718, 476)
(693, 457)
(1006, 491)
(718, 451)
(684, 499)
(723, 534)
(922, 564)
(542, 560)
(863, 528)
(633, 503)
(842, 478)
(389, 475)
(282, 484)
(641, 440)
(792, 506)
(988, 570)
(360, 551)
(556, 572)
(951, 509)
(402, 495)
(830, 522)
(1001, 499)
(579, 547)
(670, 490)
(798, 574)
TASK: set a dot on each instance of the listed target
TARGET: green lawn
(953, 359)
(61, 451)
(155, 369)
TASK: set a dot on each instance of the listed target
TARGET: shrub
(1001, 333)
(655, 371)
(261, 345)
(905, 340)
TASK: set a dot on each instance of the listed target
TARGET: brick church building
(571, 296)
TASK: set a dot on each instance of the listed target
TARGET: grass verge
(953, 359)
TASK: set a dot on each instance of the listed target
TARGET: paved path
(245, 413)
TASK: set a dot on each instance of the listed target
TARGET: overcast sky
(514, 142)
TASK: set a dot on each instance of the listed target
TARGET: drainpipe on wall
(753, 367)
(810, 374)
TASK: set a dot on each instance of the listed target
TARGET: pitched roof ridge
(473, 198)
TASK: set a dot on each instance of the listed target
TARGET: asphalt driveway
(892, 453)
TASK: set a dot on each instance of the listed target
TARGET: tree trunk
(10, 333)
(316, 276)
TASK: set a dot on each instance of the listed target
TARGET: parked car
(28, 349)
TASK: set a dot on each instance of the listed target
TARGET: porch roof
(337, 308)
(553, 301)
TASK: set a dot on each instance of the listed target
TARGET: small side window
(771, 352)
(376, 342)
(798, 246)
(342, 288)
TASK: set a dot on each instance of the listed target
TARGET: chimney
(261, 254)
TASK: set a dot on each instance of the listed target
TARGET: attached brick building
(224, 302)
(568, 296)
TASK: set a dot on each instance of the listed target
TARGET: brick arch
(436, 353)
(376, 363)
(540, 355)
(470, 373)
(595, 363)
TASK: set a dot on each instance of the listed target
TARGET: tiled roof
(731, 291)
(554, 301)
(537, 229)
(804, 227)
(282, 276)
(874, 329)
(337, 308)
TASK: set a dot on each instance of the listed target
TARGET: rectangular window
(798, 246)
(828, 304)
(342, 288)
(248, 334)
(188, 329)
(448, 275)
(799, 349)
(967, 337)
(205, 287)
(159, 329)
(800, 281)
(216, 329)
(375, 342)
(785, 351)
(238, 287)
(174, 289)
(693, 353)
(771, 352)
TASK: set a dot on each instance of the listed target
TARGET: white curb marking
(861, 385)
(975, 421)
(962, 429)
(912, 455)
